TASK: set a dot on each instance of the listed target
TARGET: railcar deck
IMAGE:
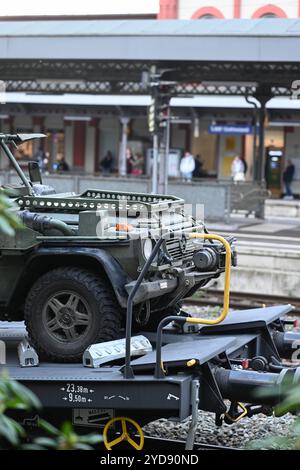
(90, 396)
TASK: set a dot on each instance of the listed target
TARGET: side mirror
(34, 171)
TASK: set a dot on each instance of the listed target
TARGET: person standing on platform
(187, 166)
(129, 159)
(198, 171)
(107, 163)
(40, 157)
(288, 176)
(245, 165)
(238, 169)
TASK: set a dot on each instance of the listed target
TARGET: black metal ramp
(177, 355)
(248, 319)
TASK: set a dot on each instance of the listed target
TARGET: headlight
(147, 248)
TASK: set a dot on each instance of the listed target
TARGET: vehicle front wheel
(67, 310)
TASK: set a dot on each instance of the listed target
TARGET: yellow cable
(223, 315)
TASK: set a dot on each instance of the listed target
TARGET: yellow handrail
(223, 315)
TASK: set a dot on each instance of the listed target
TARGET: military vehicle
(69, 271)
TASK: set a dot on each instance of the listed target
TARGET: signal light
(152, 116)
(158, 111)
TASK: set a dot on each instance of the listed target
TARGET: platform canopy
(98, 56)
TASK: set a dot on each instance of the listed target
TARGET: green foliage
(62, 439)
(8, 219)
(289, 404)
(291, 401)
(290, 442)
(14, 396)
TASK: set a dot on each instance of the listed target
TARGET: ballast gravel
(238, 435)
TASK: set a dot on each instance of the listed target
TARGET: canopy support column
(263, 95)
(123, 147)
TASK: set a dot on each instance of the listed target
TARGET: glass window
(269, 15)
(207, 17)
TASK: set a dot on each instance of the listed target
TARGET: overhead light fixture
(175, 120)
(237, 83)
(77, 118)
(196, 128)
(53, 81)
(284, 123)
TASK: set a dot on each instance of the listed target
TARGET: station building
(219, 9)
(84, 128)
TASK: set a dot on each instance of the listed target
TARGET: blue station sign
(235, 129)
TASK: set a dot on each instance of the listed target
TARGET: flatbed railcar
(202, 369)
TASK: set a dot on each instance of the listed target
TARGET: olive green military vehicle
(68, 272)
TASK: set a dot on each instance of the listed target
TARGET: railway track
(240, 300)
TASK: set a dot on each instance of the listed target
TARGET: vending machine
(274, 164)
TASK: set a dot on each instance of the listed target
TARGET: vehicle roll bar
(159, 369)
(224, 313)
(159, 373)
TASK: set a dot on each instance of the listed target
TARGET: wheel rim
(66, 316)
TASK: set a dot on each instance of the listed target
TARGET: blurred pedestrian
(137, 164)
(187, 166)
(107, 163)
(129, 159)
(41, 158)
(238, 169)
(245, 165)
(61, 165)
(288, 176)
(198, 171)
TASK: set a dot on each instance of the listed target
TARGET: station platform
(282, 208)
(280, 228)
(268, 254)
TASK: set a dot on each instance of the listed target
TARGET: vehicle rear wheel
(67, 310)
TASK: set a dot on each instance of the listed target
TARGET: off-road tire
(104, 313)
